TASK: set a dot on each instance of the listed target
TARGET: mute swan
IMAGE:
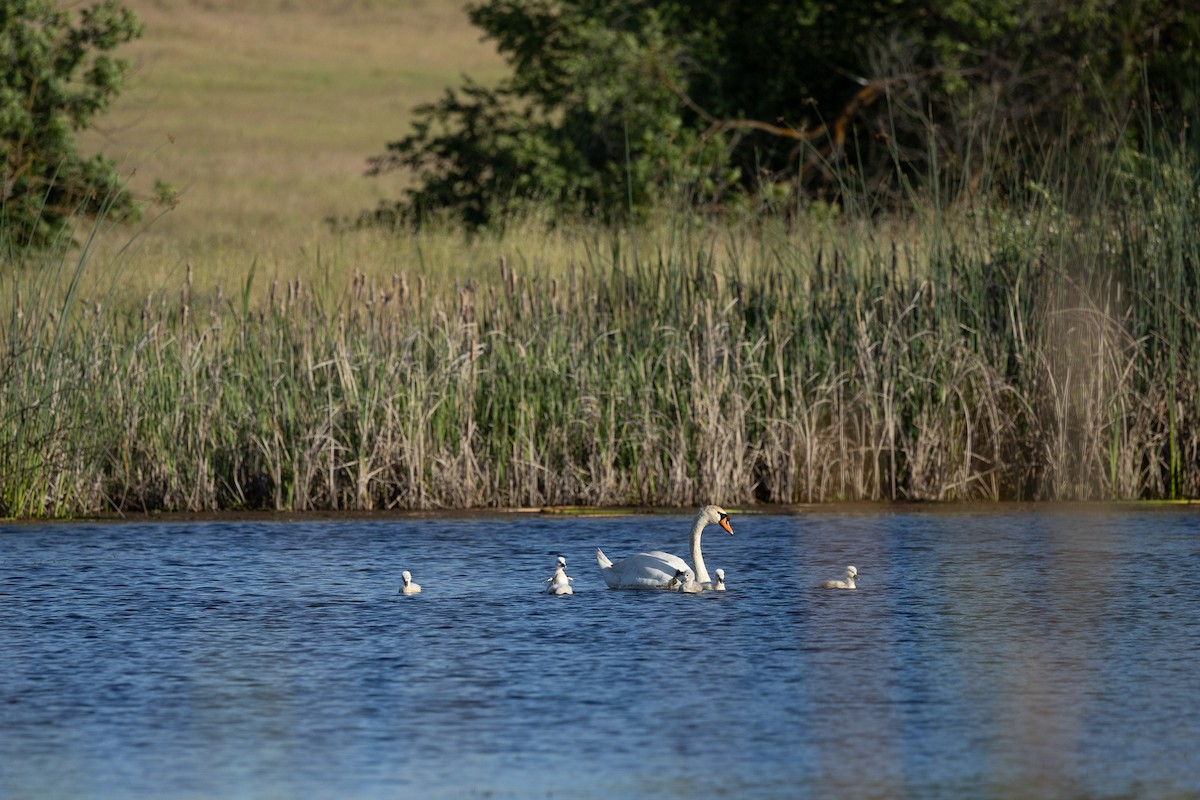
(656, 569)
(851, 574)
(560, 582)
(409, 587)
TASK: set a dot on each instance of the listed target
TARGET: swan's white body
(560, 581)
(409, 587)
(656, 569)
(851, 574)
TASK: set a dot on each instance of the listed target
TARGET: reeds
(1023, 350)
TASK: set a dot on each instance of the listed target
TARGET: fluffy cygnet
(560, 581)
(851, 574)
(409, 587)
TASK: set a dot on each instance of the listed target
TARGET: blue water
(996, 654)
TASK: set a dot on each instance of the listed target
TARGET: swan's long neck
(697, 556)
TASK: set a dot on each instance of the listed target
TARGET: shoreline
(795, 509)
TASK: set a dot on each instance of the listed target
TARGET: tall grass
(1035, 347)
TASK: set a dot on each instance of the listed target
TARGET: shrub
(57, 74)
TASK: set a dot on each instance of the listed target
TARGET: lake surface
(996, 654)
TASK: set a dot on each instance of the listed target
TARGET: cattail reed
(1014, 352)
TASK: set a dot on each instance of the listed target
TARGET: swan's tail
(602, 559)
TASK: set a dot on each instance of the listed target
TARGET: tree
(55, 75)
(617, 104)
(589, 121)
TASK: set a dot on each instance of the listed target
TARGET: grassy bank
(1034, 341)
(1015, 351)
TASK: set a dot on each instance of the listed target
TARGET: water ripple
(984, 655)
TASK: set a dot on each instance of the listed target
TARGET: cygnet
(409, 587)
(560, 582)
(851, 574)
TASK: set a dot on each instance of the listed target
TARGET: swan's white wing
(652, 570)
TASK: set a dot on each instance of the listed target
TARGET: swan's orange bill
(725, 525)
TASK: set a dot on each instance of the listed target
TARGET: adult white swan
(656, 569)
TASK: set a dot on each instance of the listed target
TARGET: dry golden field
(262, 113)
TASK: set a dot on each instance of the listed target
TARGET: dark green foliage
(55, 75)
(589, 122)
(615, 105)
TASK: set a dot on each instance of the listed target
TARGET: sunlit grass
(263, 115)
